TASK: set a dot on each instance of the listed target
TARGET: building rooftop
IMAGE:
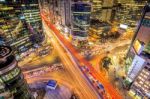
(4, 51)
(5, 56)
(97, 23)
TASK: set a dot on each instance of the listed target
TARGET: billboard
(123, 26)
(138, 46)
(136, 66)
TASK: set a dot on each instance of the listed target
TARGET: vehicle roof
(52, 83)
(100, 85)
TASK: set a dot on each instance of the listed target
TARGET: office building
(31, 13)
(59, 13)
(64, 11)
(129, 12)
(80, 23)
(98, 28)
(12, 83)
(107, 7)
(13, 28)
(96, 9)
(70, 16)
(21, 25)
(138, 58)
(64, 16)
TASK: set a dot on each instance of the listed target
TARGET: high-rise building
(12, 83)
(64, 16)
(129, 12)
(64, 11)
(80, 22)
(20, 24)
(71, 16)
(31, 12)
(138, 58)
(106, 13)
(96, 9)
(13, 27)
(104, 10)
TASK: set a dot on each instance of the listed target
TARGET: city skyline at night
(74, 49)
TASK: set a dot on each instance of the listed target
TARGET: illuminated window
(12, 74)
(141, 78)
(1, 81)
(136, 84)
(141, 82)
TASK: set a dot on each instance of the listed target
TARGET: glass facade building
(20, 24)
(81, 12)
(129, 12)
(138, 58)
(12, 83)
(13, 28)
(31, 12)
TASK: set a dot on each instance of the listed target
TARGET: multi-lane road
(73, 73)
(71, 76)
(80, 59)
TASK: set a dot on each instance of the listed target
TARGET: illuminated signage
(2, 0)
(22, 17)
(138, 47)
(123, 26)
(136, 66)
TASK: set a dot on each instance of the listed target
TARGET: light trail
(108, 87)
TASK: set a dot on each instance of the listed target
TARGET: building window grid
(141, 86)
(143, 83)
(11, 75)
(145, 74)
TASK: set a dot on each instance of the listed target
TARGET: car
(85, 69)
(51, 84)
(101, 88)
(92, 79)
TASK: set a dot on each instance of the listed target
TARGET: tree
(106, 61)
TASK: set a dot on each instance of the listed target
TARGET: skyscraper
(12, 83)
(70, 16)
(13, 27)
(21, 25)
(107, 10)
(31, 13)
(103, 10)
(138, 58)
(64, 11)
(64, 16)
(81, 12)
(96, 9)
(129, 12)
